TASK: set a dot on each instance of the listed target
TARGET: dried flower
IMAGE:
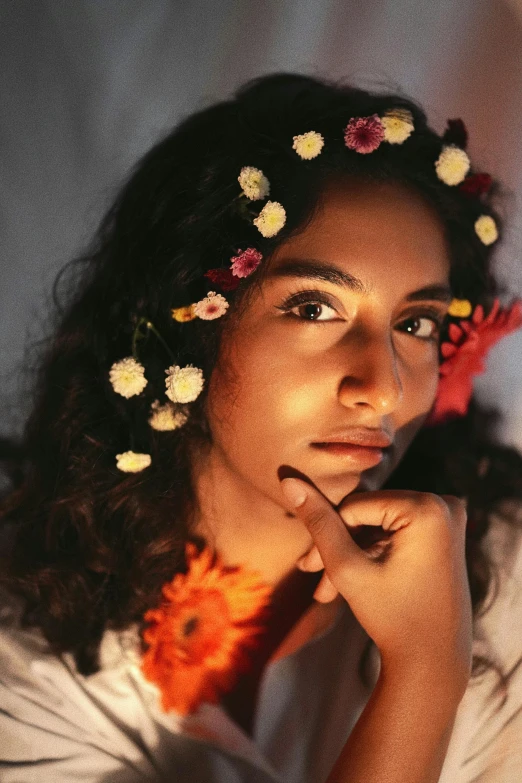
(128, 377)
(184, 384)
(199, 638)
(452, 165)
(398, 125)
(460, 308)
(224, 278)
(245, 262)
(456, 134)
(168, 417)
(212, 306)
(464, 357)
(308, 145)
(253, 183)
(132, 461)
(271, 219)
(486, 229)
(476, 184)
(364, 134)
(183, 314)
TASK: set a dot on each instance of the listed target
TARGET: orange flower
(199, 637)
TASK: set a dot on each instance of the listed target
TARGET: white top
(56, 725)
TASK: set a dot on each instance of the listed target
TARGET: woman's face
(356, 355)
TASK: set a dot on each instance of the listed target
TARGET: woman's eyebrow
(319, 270)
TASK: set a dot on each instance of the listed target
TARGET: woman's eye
(423, 327)
(309, 308)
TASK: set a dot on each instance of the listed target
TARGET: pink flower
(246, 262)
(465, 354)
(364, 134)
(212, 306)
(223, 278)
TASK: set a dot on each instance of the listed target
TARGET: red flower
(476, 184)
(245, 262)
(198, 638)
(465, 354)
(223, 278)
(456, 133)
(364, 134)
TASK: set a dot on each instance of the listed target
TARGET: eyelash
(317, 297)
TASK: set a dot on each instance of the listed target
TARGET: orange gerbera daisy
(199, 637)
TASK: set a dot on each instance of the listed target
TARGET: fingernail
(293, 491)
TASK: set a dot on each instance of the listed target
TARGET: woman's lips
(363, 456)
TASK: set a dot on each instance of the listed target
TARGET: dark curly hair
(90, 547)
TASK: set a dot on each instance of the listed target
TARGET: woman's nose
(373, 379)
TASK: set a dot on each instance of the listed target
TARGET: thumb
(327, 528)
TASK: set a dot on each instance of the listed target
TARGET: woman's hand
(412, 599)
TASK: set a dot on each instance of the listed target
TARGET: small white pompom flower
(128, 377)
(184, 384)
(308, 145)
(398, 125)
(253, 183)
(452, 165)
(132, 462)
(271, 219)
(486, 229)
(212, 306)
(165, 418)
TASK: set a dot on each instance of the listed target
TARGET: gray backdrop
(86, 86)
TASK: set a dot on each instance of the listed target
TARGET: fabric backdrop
(86, 86)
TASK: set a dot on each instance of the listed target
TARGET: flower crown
(362, 135)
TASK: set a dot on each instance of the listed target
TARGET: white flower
(271, 219)
(253, 183)
(167, 417)
(486, 229)
(184, 384)
(212, 306)
(308, 145)
(127, 377)
(132, 462)
(398, 125)
(452, 165)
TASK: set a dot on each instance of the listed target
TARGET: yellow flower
(184, 384)
(183, 314)
(460, 308)
(167, 417)
(132, 462)
(452, 165)
(253, 183)
(127, 377)
(398, 125)
(271, 219)
(486, 229)
(308, 145)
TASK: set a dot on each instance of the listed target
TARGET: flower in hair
(271, 219)
(127, 377)
(224, 278)
(245, 262)
(452, 165)
(364, 134)
(183, 314)
(464, 354)
(486, 229)
(308, 145)
(253, 183)
(460, 308)
(398, 125)
(456, 133)
(212, 306)
(168, 417)
(184, 384)
(132, 461)
(476, 184)
(200, 637)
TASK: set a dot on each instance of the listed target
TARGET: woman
(246, 534)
